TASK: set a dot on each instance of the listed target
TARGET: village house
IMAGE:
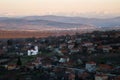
(105, 67)
(84, 75)
(90, 66)
(106, 49)
(62, 46)
(90, 49)
(104, 36)
(70, 41)
(71, 76)
(70, 46)
(30, 65)
(93, 36)
(101, 77)
(50, 47)
(118, 77)
(87, 44)
(11, 66)
(37, 62)
(58, 52)
(74, 50)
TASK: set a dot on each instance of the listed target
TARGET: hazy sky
(85, 8)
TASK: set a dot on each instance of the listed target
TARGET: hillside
(38, 25)
(104, 22)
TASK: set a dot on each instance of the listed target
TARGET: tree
(9, 42)
(19, 62)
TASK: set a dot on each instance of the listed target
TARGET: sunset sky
(85, 8)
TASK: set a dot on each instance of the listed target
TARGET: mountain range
(51, 22)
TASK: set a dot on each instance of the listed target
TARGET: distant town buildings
(89, 56)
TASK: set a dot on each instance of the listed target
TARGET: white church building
(33, 51)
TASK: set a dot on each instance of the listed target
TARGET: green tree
(19, 62)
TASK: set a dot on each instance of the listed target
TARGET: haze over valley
(61, 16)
(50, 22)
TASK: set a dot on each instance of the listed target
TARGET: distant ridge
(52, 22)
(105, 22)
